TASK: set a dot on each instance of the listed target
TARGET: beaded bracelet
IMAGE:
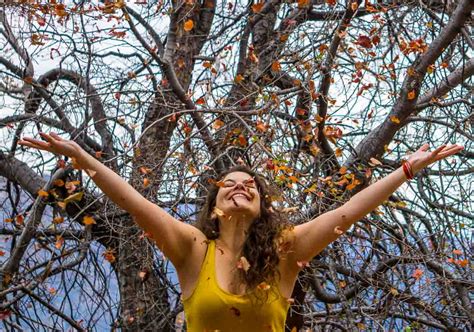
(407, 169)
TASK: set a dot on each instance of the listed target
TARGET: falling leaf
(188, 25)
(374, 162)
(263, 286)
(417, 274)
(260, 126)
(394, 119)
(338, 230)
(256, 8)
(457, 252)
(302, 264)
(37, 39)
(462, 262)
(144, 170)
(218, 123)
(303, 3)
(143, 275)
(74, 197)
(59, 242)
(42, 193)
(276, 67)
(364, 41)
(88, 220)
(109, 255)
(243, 264)
(242, 140)
(218, 212)
(239, 78)
(20, 219)
(8, 220)
(58, 220)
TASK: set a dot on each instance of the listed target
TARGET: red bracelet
(407, 169)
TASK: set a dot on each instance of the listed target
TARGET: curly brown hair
(261, 247)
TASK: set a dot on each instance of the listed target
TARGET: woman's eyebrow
(246, 180)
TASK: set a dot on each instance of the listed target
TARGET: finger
(425, 147)
(56, 136)
(34, 145)
(438, 149)
(32, 140)
(450, 151)
(46, 137)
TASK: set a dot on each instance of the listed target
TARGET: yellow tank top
(210, 308)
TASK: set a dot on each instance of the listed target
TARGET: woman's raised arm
(173, 237)
(315, 235)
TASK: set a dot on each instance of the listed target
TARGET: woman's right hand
(55, 144)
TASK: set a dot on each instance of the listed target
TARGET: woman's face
(238, 197)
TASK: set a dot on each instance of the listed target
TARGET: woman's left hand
(422, 157)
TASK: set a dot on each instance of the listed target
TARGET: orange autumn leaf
(239, 78)
(256, 8)
(59, 242)
(411, 95)
(263, 286)
(109, 255)
(8, 220)
(276, 67)
(303, 3)
(457, 252)
(42, 193)
(374, 162)
(462, 262)
(20, 219)
(58, 220)
(354, 6)
(88, 220)
(188, 25)
(144, 170)
(146, 182)
(394, 119)
(60, 10)
(217, 124)
(331, 2)
(201, 101)
(207, 64)
(261, 126)
(242, 140)
(338, 230)
(417, 274)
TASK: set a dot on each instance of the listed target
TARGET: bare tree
(321, 97)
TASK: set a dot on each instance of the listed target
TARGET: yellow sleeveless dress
(210, 308)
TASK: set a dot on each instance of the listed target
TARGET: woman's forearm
(114, 186)
(374, 195)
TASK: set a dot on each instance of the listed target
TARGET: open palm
(422, 157)
(53, 143)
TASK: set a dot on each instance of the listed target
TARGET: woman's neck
(232, 236)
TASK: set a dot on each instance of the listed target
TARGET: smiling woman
(246, 283)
